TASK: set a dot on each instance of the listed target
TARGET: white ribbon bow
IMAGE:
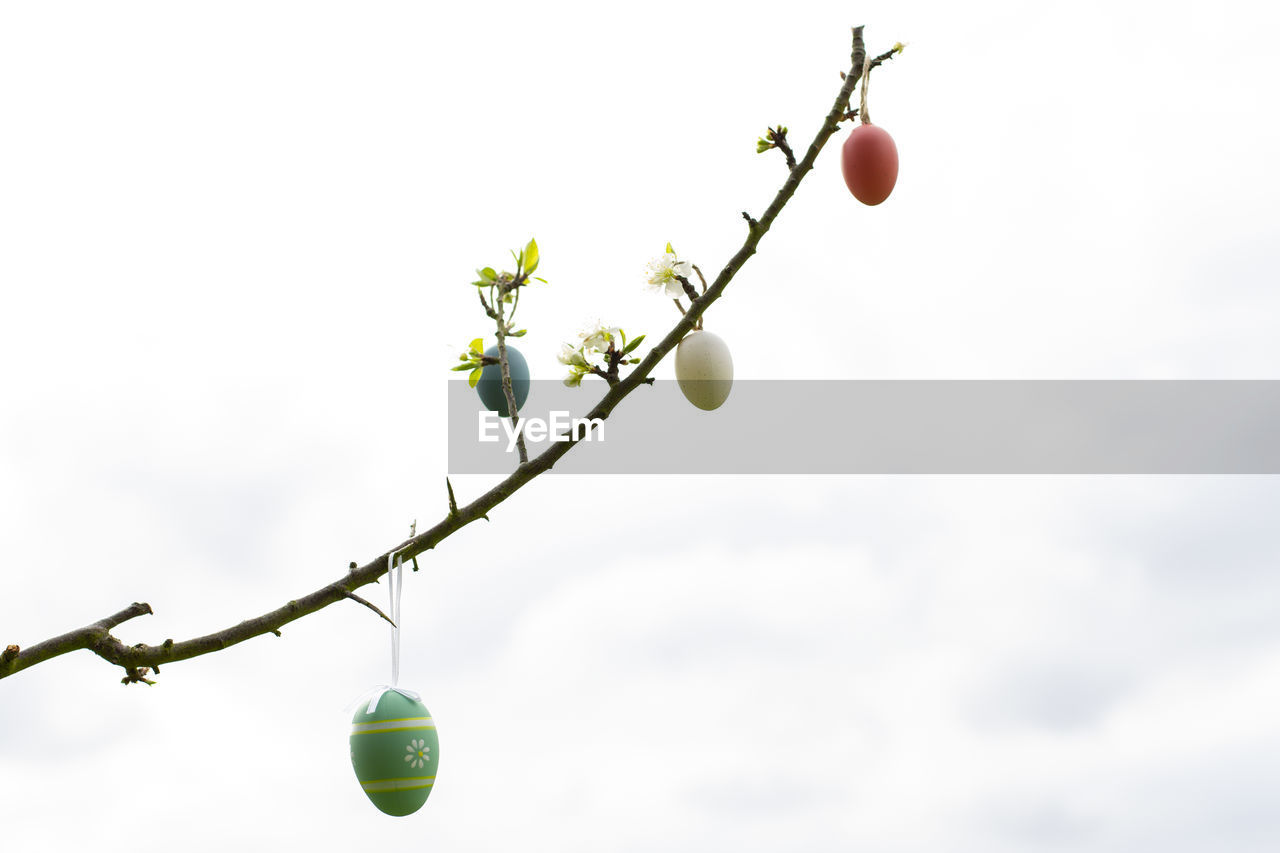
(374, 694)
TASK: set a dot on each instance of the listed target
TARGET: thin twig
(704, 290)
(506, 379)
(778, 136)
(346, 593)
(701, 277)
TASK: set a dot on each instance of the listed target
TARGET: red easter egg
(870, 164)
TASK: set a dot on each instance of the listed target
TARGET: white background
(235, 241)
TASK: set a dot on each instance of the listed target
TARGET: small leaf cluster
(503, 290)
(526, 263)
(770, 139)
(505, 286)
(474, 360)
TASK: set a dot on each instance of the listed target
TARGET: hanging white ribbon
(395, 585)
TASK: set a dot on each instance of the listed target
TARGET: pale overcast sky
(235, 241)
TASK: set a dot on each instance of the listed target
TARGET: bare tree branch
(96, 637)
(140, 658)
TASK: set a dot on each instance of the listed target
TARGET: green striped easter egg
(394, 752)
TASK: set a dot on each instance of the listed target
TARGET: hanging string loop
(866, 80)
(395, 586)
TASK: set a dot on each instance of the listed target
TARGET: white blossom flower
(599, 337)
(573, 357)
(591, 355)
(663, 272)
(419, 753)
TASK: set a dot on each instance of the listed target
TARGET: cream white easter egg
(704, 370)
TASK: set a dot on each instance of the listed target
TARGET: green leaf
(631, 346)
(762, 146)
(477, 346)
(670, 251)
(634, 361)
(475, 376)
(543, 280)
(487, 274)
(465, 366)
(531, 256)
(519, 334)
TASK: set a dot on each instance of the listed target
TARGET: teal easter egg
(490, 385)
(394, 752)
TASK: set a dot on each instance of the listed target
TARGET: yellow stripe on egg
(382, 786)
(392, 726)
